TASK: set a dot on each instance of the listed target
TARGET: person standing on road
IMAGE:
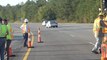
(3, 34)
(9, 37)
(25, 30)
(2, 42)
(98, 33)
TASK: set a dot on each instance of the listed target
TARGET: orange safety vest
(104, 29)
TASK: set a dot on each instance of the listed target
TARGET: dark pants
(2, 47)
(7, 48)
(25, 35)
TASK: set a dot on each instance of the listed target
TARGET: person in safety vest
(2, 42)
(3, 34)
(25, 30)
(9, 36)
(98, 33)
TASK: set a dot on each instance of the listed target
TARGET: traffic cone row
(29, 41)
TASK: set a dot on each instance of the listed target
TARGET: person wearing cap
(25, 30)
(9, 36)
(98, 33)
(3, 34)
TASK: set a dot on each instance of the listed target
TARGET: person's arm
(96, 27)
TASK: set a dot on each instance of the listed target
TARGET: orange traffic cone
(104, 49)
(10, 51)
(29, 43)
(29, 40)
(39, 36)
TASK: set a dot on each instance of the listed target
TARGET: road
(67, 42)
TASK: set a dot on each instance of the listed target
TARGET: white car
(51, 23)
(44, 23)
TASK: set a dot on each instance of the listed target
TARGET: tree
(82, 11)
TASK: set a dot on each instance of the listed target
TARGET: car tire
(56, 26)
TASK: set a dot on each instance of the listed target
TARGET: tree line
(79, 11)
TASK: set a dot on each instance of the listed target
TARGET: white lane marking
(5, 56)
(91, 43)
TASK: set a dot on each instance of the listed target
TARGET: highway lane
(17, 44)
(67, 42)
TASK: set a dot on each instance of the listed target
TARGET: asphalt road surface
(67, 42)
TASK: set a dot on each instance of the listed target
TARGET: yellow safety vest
(96, 25)
(4, 30)
(25, 28)
(0, 28)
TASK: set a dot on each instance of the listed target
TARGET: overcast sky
(11, 2)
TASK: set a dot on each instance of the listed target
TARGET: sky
(11, 2)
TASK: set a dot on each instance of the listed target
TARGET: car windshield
(53, 21)
(45, 21)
